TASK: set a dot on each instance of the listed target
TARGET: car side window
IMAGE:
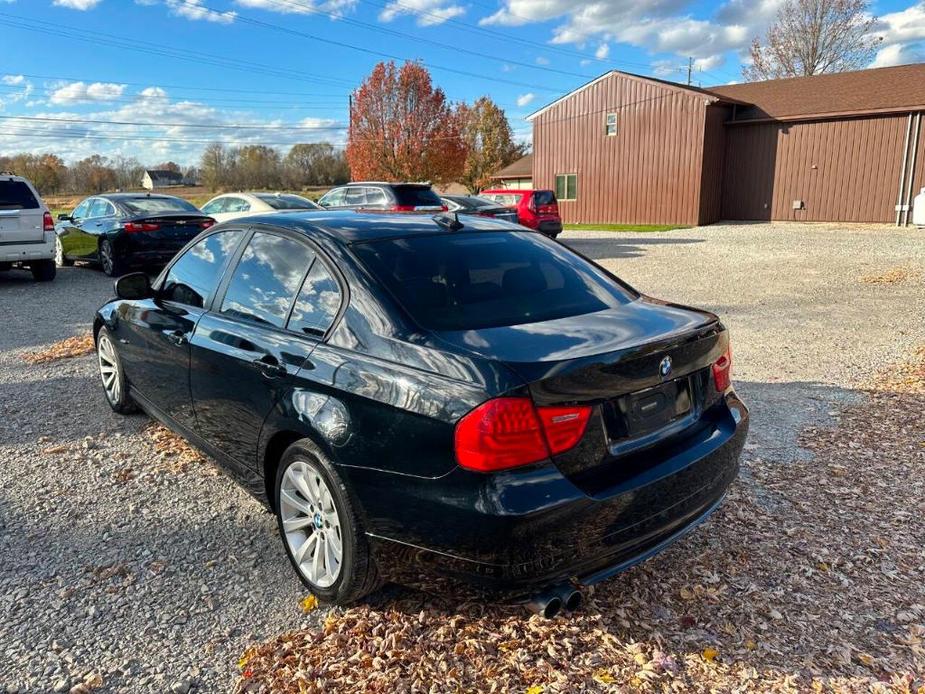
(334, 198)
(236, 205)
(80, 212)
(375, 196)
(97, 208)
(265, 282)
(215, 206)
(355, 196)
(318, 302)
(195, 275)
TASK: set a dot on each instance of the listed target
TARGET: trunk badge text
(664, 368)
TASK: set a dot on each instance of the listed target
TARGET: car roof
(134, 196)
(347, 226)
(422, 184)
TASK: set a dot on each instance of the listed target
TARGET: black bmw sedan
(120, 231)
(412, 395)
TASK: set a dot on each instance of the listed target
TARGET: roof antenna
(452, 224)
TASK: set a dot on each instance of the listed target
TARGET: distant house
(844, 147)
(518, 174)
(161, 178)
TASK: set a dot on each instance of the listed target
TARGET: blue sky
(167, 76)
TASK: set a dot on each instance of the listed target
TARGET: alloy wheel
(109, 369)
(106, 257)
(311, 524)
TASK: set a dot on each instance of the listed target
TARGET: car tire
(311, 501)
(43, 270)
(112, 375)
(61, 260)
(111, 265)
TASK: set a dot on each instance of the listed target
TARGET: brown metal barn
(844, 147)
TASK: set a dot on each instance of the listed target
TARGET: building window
(567, 186)
(610, 124)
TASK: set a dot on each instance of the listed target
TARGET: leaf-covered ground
(816, 584)
(69, 348)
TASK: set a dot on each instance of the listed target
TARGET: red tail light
(510, 432)
(133, 227)
(206, 223)
(549, 209)
(402, 208)
(722, 371)
(444, 208)
(48, 224)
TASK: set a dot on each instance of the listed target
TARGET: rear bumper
(550, 228)
(29, 251)
(530, 528)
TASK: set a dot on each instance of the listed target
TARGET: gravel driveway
(122, 569)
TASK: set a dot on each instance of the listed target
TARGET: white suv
(27, 231)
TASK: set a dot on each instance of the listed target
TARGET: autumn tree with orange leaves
(403, 129)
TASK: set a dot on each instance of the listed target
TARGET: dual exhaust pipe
(550, 602)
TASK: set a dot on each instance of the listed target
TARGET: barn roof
(522, 168)
(886, 89)
(164, 175)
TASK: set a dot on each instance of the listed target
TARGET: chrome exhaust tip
(570, 597)
(546, 604)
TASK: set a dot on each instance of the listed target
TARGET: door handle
(270, 367)
(178, 337)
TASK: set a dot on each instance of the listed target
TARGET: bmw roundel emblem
(664, 368)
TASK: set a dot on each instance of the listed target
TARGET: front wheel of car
(111, 264)
(43, 270)
(61, 260)
(112, 375)
(320, 529)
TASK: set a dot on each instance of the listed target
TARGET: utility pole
(690, 69)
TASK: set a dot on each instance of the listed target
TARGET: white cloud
(193, 9)
(428, 12)
(181, 142)
(540, 60)
(83, 93)
(13, 79)
(77, 4)
(602, 51)
(903, 37)
(525, 99)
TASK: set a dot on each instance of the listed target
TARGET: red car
(536, 209)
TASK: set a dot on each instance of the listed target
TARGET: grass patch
(642, 228)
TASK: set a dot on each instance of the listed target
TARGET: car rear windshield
(287, 202)
(419, 196)
(15, 195)
(470, 281)
(544, 197)
(506, 199)
(158, 205)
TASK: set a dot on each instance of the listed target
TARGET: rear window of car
(288, 202)
(419, 196)
(506, 199)
(16, 195)
(470, 281)
(158, 205)
(544, 197)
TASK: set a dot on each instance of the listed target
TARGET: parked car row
(124, 231)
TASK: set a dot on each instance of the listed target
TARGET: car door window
(355, 197)
(195, 275)
(318, 302)
(375, 196)
(215, 206)
(266, 279)
(236, 205)
(334, 198)
(81, 211)
(100, 208)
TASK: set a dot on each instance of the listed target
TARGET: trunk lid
(169, 229)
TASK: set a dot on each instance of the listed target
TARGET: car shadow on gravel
(621, 247)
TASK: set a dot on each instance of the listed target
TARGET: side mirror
(64, 217)
(133, 286)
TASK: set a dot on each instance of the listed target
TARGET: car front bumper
(529, 528)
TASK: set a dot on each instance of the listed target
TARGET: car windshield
(144, 205)
(287, 201)
(506, 199)
(471, 281)
(418, 196)
(15, 195)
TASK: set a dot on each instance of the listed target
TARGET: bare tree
(813, 37)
